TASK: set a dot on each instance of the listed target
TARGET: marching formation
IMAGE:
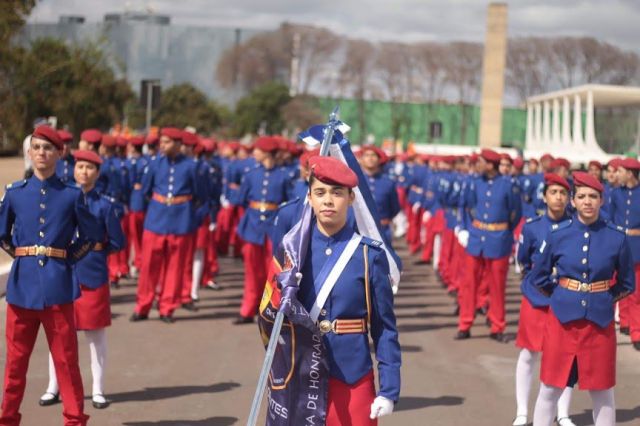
(163, 207)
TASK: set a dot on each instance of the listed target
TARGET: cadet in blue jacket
(361, 302)
(534, 307)
(64, 166)
(93, 308)
(576, 267)
(38, 220)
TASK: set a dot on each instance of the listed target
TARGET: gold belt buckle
(584, 287)
(41, 250)
(169, 200)
(325, 326)
(263, 207)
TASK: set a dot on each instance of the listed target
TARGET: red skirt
(592, 347)
(531, 326)
(350, 405)
(93, 308)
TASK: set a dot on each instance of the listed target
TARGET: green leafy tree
(262, 107)
(184, 105)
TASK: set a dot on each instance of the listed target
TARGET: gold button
(323, 312)
(41, 262)
(325, 326)
(41, 234)
(42, 220)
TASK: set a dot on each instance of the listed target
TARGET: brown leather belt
(385, 222)
(98, 247)
(263, 206)
(343, 326)
(417, 189)
(41, 251)
(234, 186)
(177, 199)
(498, 226)
(633, 232)
(575, 285)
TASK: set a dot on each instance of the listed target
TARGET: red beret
(121, 141)
(449, 159)
(546, 157)
(65, 136)
(233, 146)
(48, 134)
(595, 163)
(189, 139)
(630, 164)
(473, 158)
(505, 156)
(137, 141)
(554, 179)
(518, 163)
(91, 136)
(533, 160)
(560, 162)
(380, 153)
(108, 141)
(304, 158)
(585, 179)
(245, 147)
(293, 148)
(332, 171)
(615, 162)
(90, 156)
(490, 155)
(172, 133)
(208, 145)
(267, 144)
(151, 139)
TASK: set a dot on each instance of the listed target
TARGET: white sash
(332, 278)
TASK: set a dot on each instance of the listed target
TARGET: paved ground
(202, 370)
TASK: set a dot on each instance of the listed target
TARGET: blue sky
(615, 21)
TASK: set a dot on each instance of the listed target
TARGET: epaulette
(108, 198)
(72, 185)
(616, 227)
(288, 202)
(371, 242)
(16, 184)
(558, 226)
(533, 219)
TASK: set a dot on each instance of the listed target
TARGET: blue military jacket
(385, 195)
(624, 211)
(172, 177)
(45, 213)
(64, 169)
(349, 356)
(262, 186)
(136, 166)
(534, 232)
(587, 253)
(91, 271)
(491, 201)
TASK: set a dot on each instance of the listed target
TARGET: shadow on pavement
(211, 421)
(623, 415)
(154, 394)
(416, 402)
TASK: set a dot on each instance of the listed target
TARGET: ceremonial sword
(328, 133)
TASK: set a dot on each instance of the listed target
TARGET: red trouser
(413, 233)
(21, 332)
(444, 264)
(234, 238)
(350, 405)
(185, 291)
(457, 265)
(474, 270)
(136, 226)
(162, 264)
(223, 229)
(125, 253)
(434, 226)
(257, 261)
(634, 309)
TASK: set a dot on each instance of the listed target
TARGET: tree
(300, 113)
(262, 109)
(184, 105)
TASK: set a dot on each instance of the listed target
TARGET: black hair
(312, 179)
(546, 186)
(574, 190)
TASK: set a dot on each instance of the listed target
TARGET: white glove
(463, 237)
(415, 208)
(426, 216)
(381, 407)
(456, 230)
(224, 202)
(212, 227)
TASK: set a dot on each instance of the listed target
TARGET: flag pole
(329, 130)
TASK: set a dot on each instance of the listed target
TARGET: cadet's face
(482, 165)
(85, 173)
(533, 167)
(611, 176)
(168, 146)
(330, 204)
(242, 154)
(259, 155)
(594, 171)
(43, 154)
(186, 149)
(622, 176)
(556, 198)
(562, 172)
(587, 201)
(85, 146)
(505, 167)
(370, 160)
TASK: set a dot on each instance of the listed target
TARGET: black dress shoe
(242, 320)
(624, 330)
(99, 404)
(167, 319)
(462, 335)
(482, 311)
(456, 311)
(48, 402)
(499, 337)
(135, 317)
(114, 284)
(190, 307)
(636, 345)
